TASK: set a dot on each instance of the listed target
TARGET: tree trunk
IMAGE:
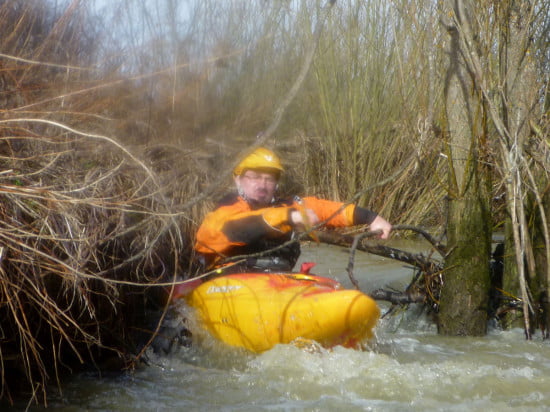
(512, 318)
(465, 291)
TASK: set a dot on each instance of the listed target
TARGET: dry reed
(84, 229)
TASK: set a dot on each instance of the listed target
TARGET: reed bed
(85, 229)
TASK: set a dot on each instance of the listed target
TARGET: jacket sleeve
(339, 216)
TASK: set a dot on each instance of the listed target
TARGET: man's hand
(379, 223)
(304, 217)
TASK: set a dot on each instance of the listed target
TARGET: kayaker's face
(258, 187)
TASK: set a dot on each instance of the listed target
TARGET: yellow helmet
(261, 158)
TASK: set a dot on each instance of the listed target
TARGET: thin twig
(441, 248)
(351, 261)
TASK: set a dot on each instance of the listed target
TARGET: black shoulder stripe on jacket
(249, 229)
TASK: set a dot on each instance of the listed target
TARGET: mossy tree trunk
(465, 292)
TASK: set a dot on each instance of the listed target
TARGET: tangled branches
(425, 286)
(84, 227)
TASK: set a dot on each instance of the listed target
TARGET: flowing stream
(409, 367)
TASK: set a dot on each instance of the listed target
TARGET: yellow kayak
(259, 310)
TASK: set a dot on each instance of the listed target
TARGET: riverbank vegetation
(118, 122)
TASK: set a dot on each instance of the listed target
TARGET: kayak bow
(256, 311)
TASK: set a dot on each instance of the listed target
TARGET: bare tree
(509, 97)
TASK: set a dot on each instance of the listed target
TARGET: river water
(408, 367)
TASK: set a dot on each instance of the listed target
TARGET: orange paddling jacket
(236, 228)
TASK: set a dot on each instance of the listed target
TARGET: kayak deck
(256, 311)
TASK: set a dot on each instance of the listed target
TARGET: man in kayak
(255, 220)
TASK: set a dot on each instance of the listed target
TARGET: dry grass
(85, 227)
(87, 223)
